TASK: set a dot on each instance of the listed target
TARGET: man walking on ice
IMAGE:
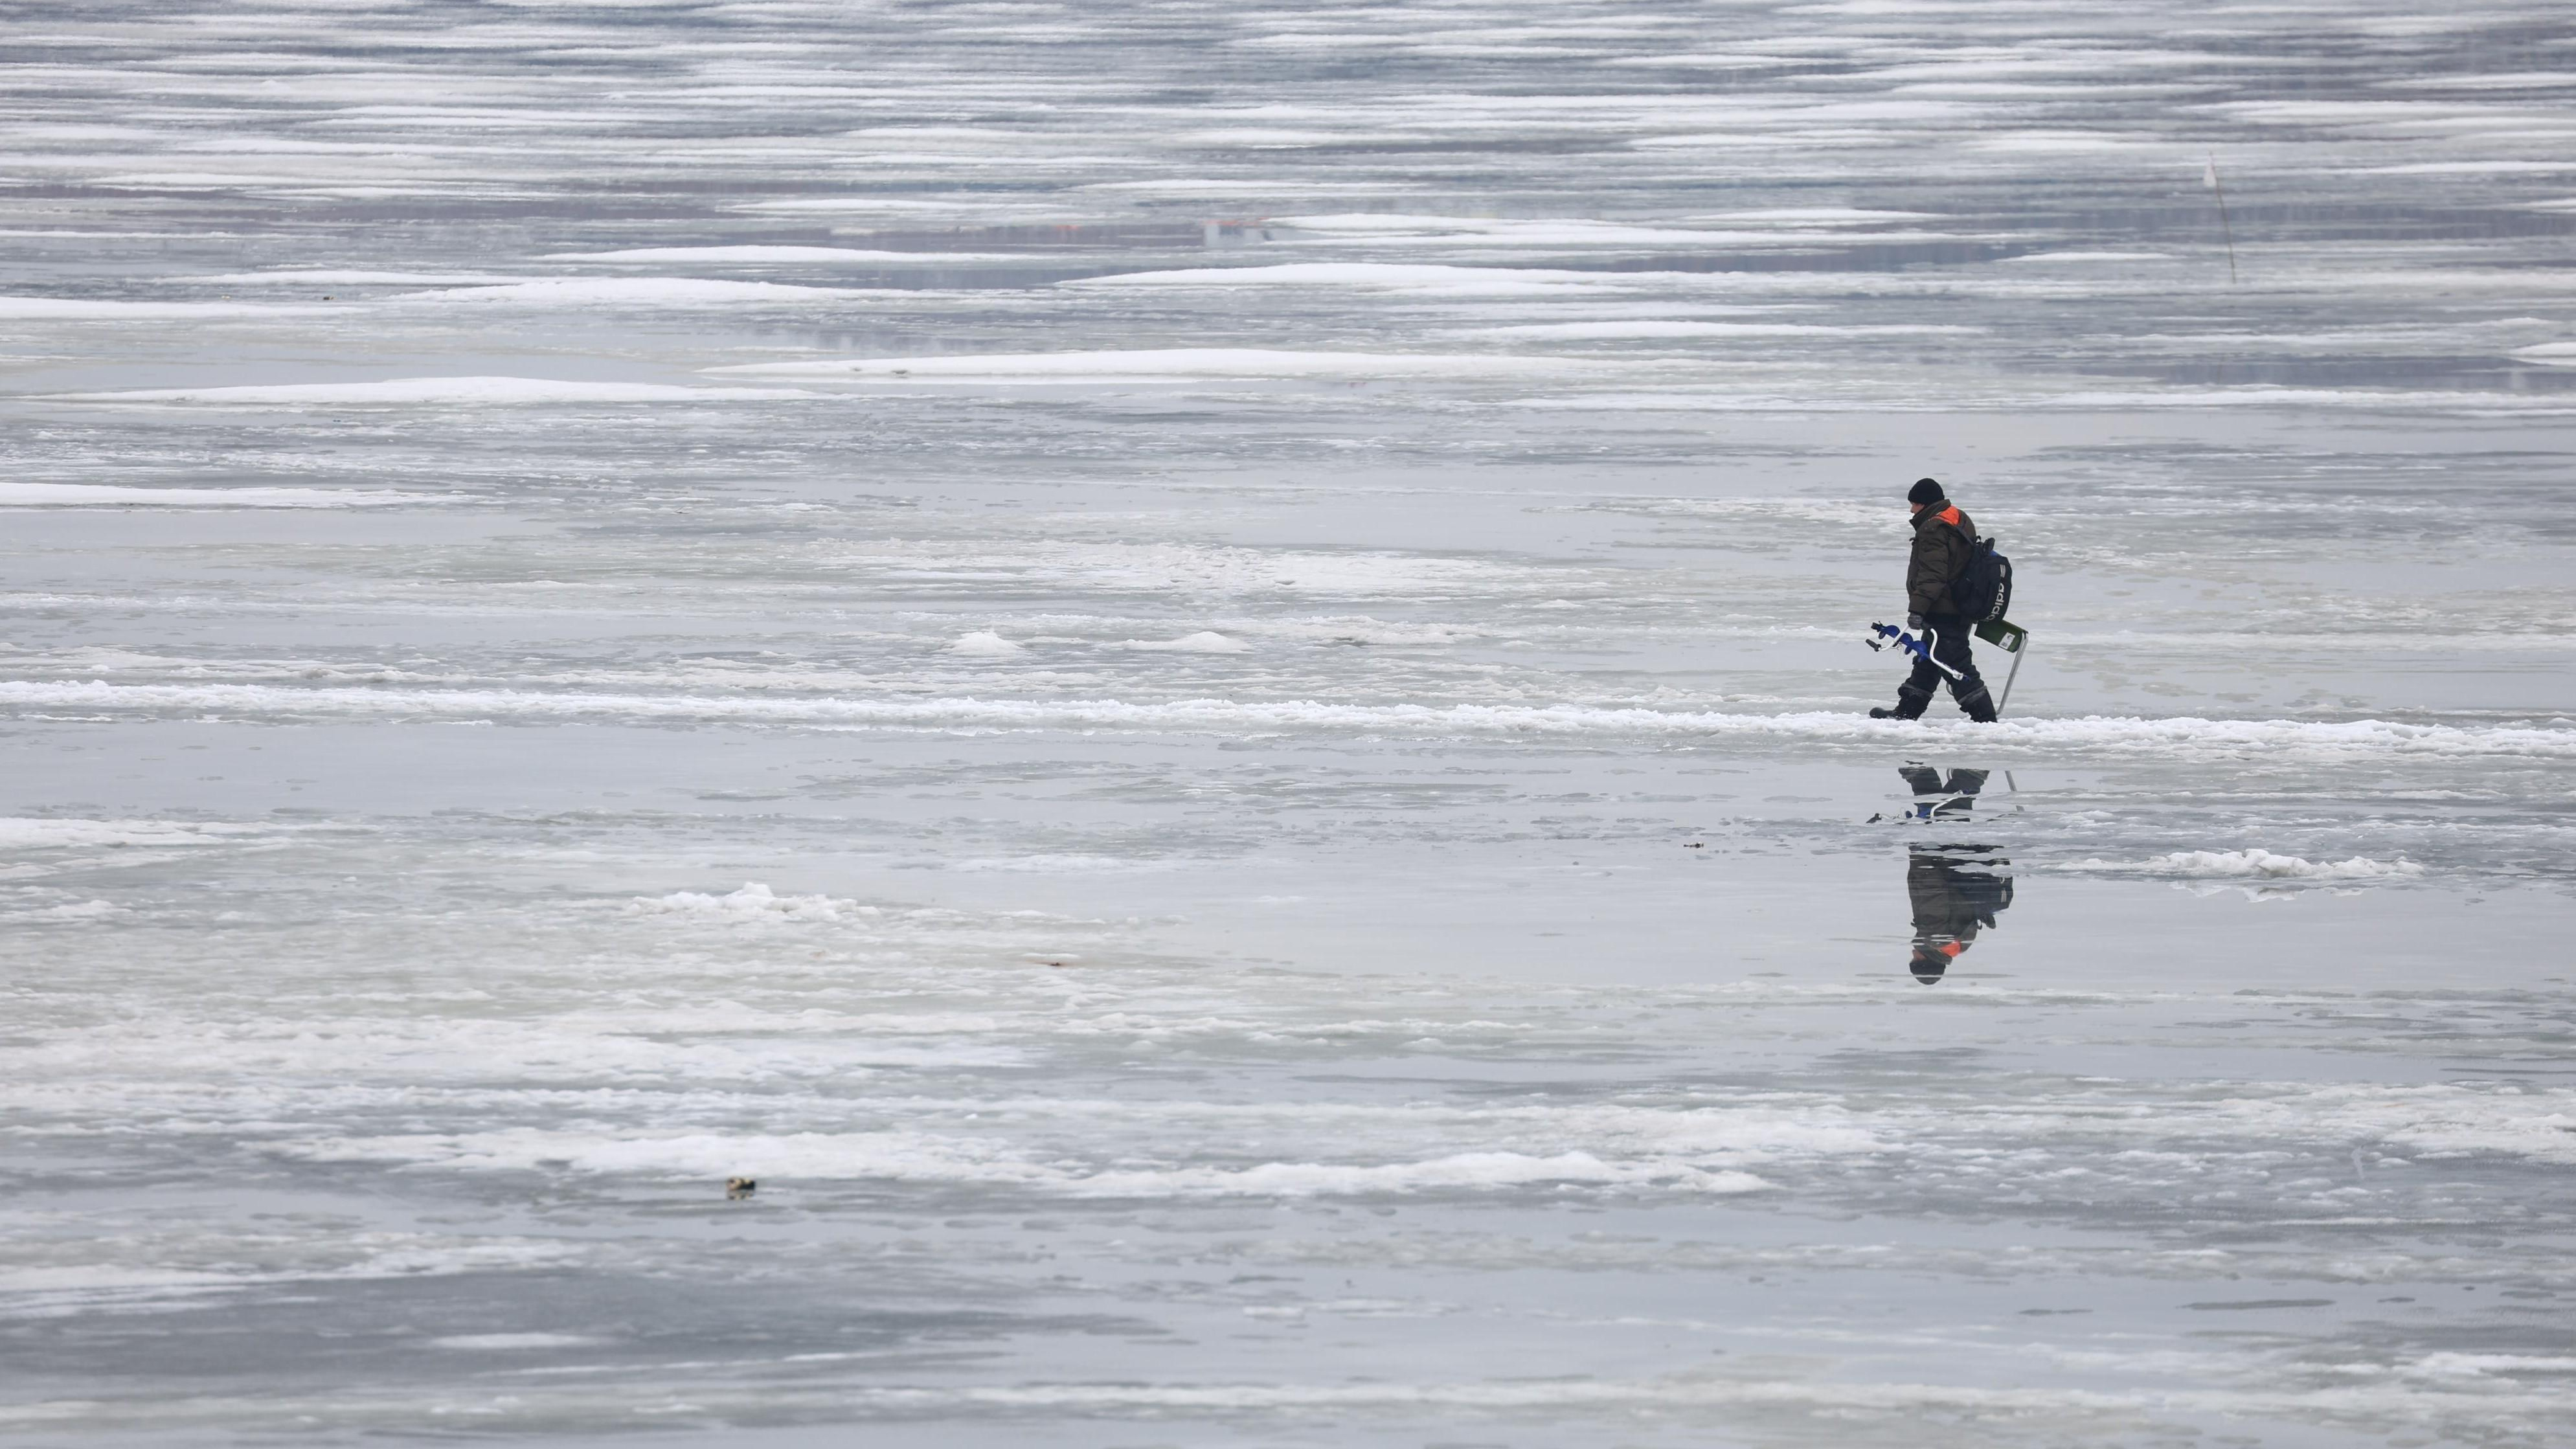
(1945, 542)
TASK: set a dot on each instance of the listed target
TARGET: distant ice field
(1193, 676)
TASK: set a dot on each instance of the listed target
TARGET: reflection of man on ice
(1957, 891)
(1937, 798)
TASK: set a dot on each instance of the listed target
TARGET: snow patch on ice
(985, 644)
(826, 256)
(2255, 865)
(1463, 1171)
(84, 309)
(468, 391)
(921, 1157)
(346, 277)
(1177, 364)
(1487, 232)
(2478, 1365)
(1205, 641)
(2267, 396)
(1587, 331)
(48, 834)
(2437, 1119)
(1818, 216)
(2091, 257)
(1046, 864)
(104, 495)
(69, 911)
(1410, 278)
(754, 902)
(635, 292)
(490, 1341)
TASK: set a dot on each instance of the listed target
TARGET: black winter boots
(1910, 704)
(1980, 706)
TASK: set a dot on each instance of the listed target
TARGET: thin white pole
(2226, 226)
(2009, 678)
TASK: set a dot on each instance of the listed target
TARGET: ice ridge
(2185, 735)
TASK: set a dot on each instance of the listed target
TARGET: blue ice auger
(1884, 634)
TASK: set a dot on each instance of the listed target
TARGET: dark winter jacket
(1945, 540)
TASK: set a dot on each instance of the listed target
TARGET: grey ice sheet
(1193, 674)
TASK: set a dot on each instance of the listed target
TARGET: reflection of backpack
(1983, 893)
(1984, 589)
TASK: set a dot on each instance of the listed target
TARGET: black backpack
(1984, 589)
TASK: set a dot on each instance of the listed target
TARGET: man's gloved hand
(1914, 622)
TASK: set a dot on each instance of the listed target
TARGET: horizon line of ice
(2206, 737)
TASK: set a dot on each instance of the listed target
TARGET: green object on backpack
(2004, 635)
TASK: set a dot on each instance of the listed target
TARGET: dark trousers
(1949, 638)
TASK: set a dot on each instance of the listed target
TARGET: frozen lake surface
(1193, 674)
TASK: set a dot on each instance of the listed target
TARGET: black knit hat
(1925, 490)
